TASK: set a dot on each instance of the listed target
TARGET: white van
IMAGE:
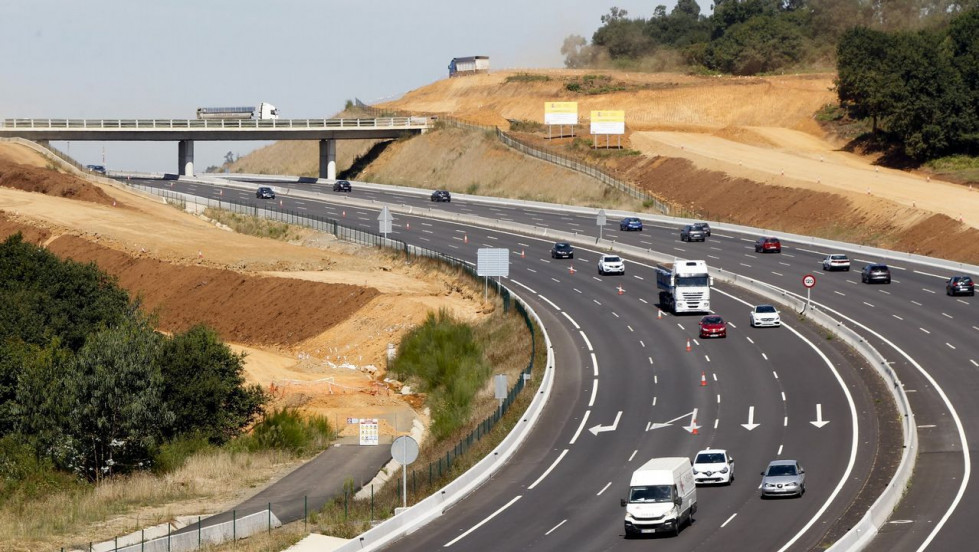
(662, 497)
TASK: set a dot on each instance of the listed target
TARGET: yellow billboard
(608, 122)
(561, 113)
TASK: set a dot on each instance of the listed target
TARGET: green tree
(761, 44)
(866, 83)
(44, 399)
(119, 417)
(622, 37)
(204, 386)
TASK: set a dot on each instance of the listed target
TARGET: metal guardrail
(213, 124)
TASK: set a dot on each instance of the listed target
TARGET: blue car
(630, 223)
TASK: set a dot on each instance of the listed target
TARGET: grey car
(691, 232)
(783, 478)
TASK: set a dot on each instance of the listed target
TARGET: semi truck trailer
(263, 111)
(684, 286)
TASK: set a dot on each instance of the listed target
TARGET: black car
(441, 195)
(874, 273)
(690, 232)
(264, 192)
(960, 285)
(562, 250)
(341, 186)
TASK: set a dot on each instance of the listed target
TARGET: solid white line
(633, 455)
(519, 283)
(481, 523)
(594, 392)
(548, 470)
(594, 364)
(581, 427)
(573, 323)
(729, 519)
(549, 302)
(607, 485)
(585, 337)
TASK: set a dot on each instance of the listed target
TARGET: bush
(288, 430)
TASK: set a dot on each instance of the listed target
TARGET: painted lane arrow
(751, 419)
(657, 425)
(600, 428)
(819, 421)
(693, 427)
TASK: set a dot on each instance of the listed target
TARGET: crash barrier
(195, 537)
(434, 505)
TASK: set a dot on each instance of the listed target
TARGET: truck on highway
(263, 111)
(684, 286)
(662, 497)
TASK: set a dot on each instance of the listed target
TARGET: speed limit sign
(809, 280)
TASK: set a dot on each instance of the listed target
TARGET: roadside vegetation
(253, 225)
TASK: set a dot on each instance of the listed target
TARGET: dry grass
(123, 505)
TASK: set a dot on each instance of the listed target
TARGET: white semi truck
(662, 497)
(684, 286)
(264, 111)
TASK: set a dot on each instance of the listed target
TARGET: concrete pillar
(185, 158)
(328, 159)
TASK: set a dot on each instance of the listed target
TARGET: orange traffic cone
(659, 314)
(521, 254)
(407, 226)
(695, 431)
(465, 238)
(688, 345)
(621, 291)
(343, 213)
(280, 203)
(703, 379)
(571, 269)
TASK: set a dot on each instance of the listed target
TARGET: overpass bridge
(186, 131)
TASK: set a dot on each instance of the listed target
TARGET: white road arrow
(819, 421)
(693, 422)
(751, 419)
(600, 428)
(657, 425)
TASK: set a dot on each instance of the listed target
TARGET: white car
(611, 264)
(764, 315)
(836, 261)
(713, 466)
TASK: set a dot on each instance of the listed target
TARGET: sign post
(404, 450)
(809, 281)
(384, 221)
(601, 223)
(492, 261)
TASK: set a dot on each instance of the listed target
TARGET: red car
(768, 245)
(712, 325)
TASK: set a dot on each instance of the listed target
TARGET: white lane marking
(784, 264)
(916, 303)
(585, 337)
(896, 316)
(963, 302)
(628, 326)
(615, 314)
(749, 340)
(928, 274)
(642, 344)
(548, 470)
(715, 376)
(716, 421)
(947, 315)
(928, 290)
(650, 360)
(884, 292)
(594, 392)
(481, 523)
(576, 290)
(728, 520)
(633, 455)
(950, 346)
(531, 270)
(573, 323)
(594, 364)
(774, 373)
(785, 422)
(655, 380)
(555, 280)
(779, 453)
(637, 277)
(597, 302)
(549, 302)
(641, 300)
(521, 284)
(924, 330)
(718, 398)
(783, 396)
(707, 357)
(974, 363)
(868, 304)
(607, 485)
(839, 293)
(679, 325)
(764, 356)
(777, 273)
(584, 420)
(743, 264)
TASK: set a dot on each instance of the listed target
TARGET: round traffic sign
(404, 450)
(809, 280)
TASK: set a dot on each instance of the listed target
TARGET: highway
(626, 373)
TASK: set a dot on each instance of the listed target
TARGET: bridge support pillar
(185, 158)
(328, 159)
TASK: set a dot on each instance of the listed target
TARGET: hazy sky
(163, 59)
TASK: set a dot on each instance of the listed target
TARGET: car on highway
(783, 478)
(703, 226)
(265, 192)
(692, 233)
(960, 285)
(874, 273)
(836, 261)
(630, 223)
(441, 195)
(713, 466)
(768, 244)
(96, 168)
(712, 325)
(764, 315)
(341, 186)
(611, 264)
(562, 250)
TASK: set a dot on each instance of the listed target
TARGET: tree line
(86, 383)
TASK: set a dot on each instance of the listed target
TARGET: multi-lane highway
(628, 389)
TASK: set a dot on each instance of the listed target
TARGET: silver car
(783, 478)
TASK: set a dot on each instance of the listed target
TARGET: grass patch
(526, 126)
(287, 430)
(594, 85)
(253, 226)
(527, 77)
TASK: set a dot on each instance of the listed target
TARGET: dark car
(960, 285)
(768, 245)
(341, 186)
(874, 273)
(630, 223)
(703, 226)
(264, 192)
(441, 195)
(692, 233)
(96, 168)
(562, 250)
(712, 325)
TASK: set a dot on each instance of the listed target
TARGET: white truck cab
(662, 497)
